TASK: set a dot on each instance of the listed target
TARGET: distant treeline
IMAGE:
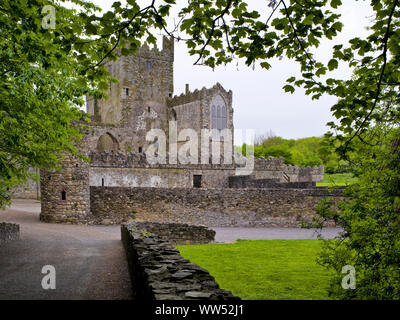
(312, 151)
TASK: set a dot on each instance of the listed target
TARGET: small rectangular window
(197, 180)
(125, 92)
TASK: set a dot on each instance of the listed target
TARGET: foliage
(367, 102)
(337, 179)
(370, 219)
(39, 91)
(312, 151)
(46, 70)
(264, 269)
(223, 30)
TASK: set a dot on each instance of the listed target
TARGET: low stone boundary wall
(177, 233)
(207, 207)
(251, 182)
(159, 272)
(8, 232)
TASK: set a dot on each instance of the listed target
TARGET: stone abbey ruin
(119, 184)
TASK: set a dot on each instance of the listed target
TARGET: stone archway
(107, 143)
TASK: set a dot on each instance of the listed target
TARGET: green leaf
(333, 64)
(289, 88)
(336, 3)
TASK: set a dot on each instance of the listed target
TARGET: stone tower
(65, 193)
(138, 102)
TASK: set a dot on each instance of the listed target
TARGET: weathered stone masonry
(177, 233)
(209, 207)
(159, 272)
(65, 193)
(119, 184)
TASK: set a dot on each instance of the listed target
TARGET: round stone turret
(65, 193)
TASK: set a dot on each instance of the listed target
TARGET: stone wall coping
(159, 272)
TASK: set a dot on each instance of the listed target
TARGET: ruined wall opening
(197, 180)
(63, 195)
(107, 143)
(173, 115)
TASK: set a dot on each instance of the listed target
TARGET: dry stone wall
(159, 272)
(251, 182)
(208, 207)
(176, 233)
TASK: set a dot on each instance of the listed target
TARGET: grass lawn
(337, 179)
(264, 269)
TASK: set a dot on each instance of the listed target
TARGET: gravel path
(90, 261)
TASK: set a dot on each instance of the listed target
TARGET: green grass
(264, 269)
(337, 179)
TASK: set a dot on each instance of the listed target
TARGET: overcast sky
(259, 101)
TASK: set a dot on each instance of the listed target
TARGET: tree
(223, 30)
(50, 57)
(370, 217)
(44, 73)
(40, 90)
(367, 102)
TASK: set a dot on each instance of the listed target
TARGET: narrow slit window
(125, 92)
(63, 195)
(148, 65)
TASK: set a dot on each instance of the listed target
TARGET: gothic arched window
(218, 113)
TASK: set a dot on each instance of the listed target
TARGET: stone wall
(176, 233)
(250, 182)
(133, 170)
(159, 272)
(30, 189)
(65, 192)
(158, 177)
(208, 207)
(303, 174)
(8, 232)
